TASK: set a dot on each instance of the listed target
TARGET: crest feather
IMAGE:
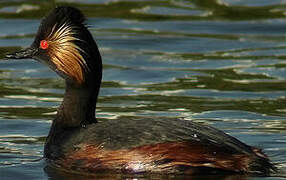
(61, 29)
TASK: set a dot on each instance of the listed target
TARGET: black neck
(77, 110)
(78, 106)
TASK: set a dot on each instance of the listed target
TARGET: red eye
(44, 44)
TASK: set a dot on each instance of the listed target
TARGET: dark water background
(219, 62)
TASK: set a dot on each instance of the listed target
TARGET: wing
(129, 132)
(163, 145)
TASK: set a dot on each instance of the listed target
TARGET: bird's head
(65, 44)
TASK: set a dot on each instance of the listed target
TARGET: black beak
(22, 54)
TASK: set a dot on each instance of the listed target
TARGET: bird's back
(154, 145)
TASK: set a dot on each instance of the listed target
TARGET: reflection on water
(216, 62)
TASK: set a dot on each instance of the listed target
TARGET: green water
(217, 62)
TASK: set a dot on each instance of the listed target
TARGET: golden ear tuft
(65, 53)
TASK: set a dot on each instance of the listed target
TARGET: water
(217, 62)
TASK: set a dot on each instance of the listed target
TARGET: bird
(79, 142)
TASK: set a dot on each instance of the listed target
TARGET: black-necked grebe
(77, 142)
